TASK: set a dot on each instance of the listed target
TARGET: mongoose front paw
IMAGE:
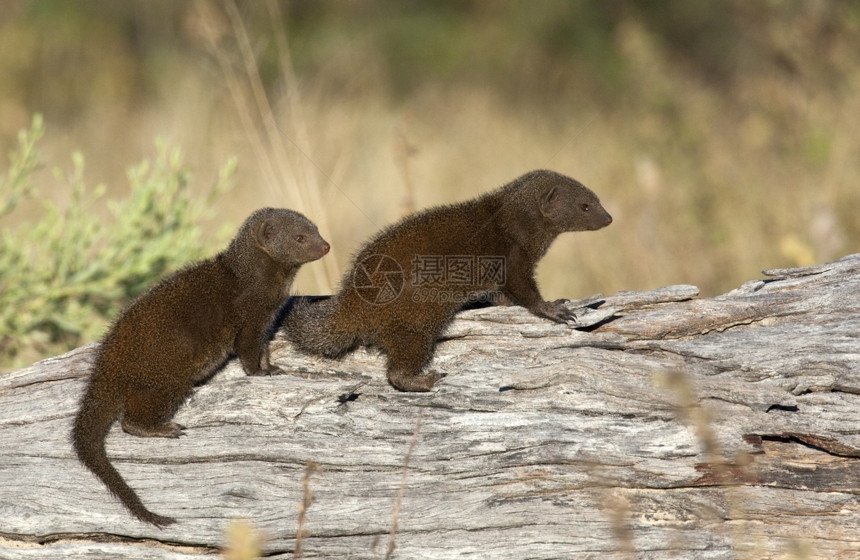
(555, 311)
(414, 383)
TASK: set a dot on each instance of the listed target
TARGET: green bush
(63, 277)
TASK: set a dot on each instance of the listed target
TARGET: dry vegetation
(719, 137)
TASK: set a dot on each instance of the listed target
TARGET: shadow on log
(659, 426)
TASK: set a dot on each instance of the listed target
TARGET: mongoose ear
(547, 200)
(266, 232)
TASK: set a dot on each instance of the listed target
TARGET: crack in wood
(825, 444)
(100, 537)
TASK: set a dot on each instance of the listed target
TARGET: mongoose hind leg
(146, 413)
(266, 367)
(407, 356)
(165, 429)
(410, 381)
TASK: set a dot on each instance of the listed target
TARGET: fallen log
(659, 425)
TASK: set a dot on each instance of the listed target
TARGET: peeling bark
(659, 425)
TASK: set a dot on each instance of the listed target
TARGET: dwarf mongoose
(183, 329)
(407, 283)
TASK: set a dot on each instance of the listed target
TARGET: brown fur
(517, 222)
(183, 329)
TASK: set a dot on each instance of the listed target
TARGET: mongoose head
(287, 236)
(567, 203)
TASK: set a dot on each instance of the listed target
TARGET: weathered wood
(661, 426)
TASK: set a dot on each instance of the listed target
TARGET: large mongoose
(183, 329)
(407, 283)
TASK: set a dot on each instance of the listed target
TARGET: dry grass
(708, 182)
(707, 193)
(307, 500)
(286, 175)
(244, 541)
(729, 474)
(395, 515)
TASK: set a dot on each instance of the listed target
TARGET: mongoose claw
(555, 311)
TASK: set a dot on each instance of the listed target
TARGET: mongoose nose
(325, 248)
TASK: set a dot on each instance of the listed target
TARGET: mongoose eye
(585, 207)
(300, 238)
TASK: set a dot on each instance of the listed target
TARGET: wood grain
(659, 425)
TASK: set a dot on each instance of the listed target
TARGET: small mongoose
(182, 330)
(407, 283)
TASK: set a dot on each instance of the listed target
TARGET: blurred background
(722, 136)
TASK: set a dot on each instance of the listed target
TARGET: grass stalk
(395, 516)
(286, 178)
(307, 500)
